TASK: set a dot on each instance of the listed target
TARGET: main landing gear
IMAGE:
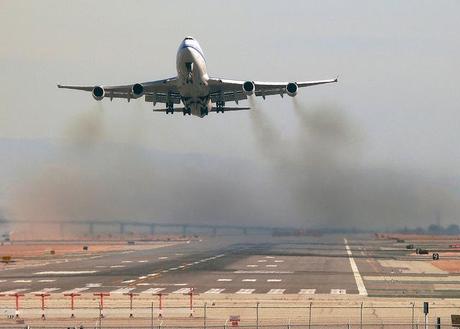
(204, 111)
(169, 108)
(220, 106)
(188, 111)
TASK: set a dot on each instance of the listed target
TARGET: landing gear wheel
(170, 108)
(220, 106)
(188, 111)
(204, 111)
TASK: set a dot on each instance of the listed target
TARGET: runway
(242, 265)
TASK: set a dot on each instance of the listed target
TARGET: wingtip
(336, 78)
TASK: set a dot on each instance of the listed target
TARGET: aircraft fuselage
(192, 78)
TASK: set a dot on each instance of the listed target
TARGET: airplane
(195, 88)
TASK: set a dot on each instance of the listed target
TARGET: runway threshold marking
(359, 280)
(152, 291)
(338, 291)
(121, 290)
(182, 291)
(75, 290)
(307, 291)
(14, 291)
(45, 290)
(245, 291)
(214, 291)
(276, 291)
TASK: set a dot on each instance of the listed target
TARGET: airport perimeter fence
(310, 316)
(318, 326)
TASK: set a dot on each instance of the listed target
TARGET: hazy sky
(397, 61)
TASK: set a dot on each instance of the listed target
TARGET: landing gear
(220, 106)
(204, 111)
(188, 111)
(169, 108)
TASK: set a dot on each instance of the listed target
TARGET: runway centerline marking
(263, 272)
(359, 280)
(274, 280)
(93, 285)
(249, 280)
(252, 265)
(224, 280)
(22, 281)
(279, 261)
(271, 265)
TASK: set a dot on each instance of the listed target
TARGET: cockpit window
(188, 38)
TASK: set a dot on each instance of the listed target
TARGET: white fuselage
(192, 77)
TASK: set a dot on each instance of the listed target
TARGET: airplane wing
(160, 91)
(234, 90)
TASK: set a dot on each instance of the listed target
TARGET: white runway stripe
(279, 261)
(271, 265)
(153, 291)
(22, 281)
(182, 291)
(75, 290)
(249, 280)
(64, 272)
(128, 281)
(14, 291)
(338, 291)
(276, 291)
(45, 290)
(93, 285)
(245, 291)
(214, 291)
(359, 280)
(307, 291)
(224, 280)
(121, 290)
(274, 280)
(46, 280)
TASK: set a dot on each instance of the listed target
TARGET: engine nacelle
(248, 88)
(291, 89)
(98, 93)
(137, 90)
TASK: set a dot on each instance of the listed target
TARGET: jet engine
(98, 93)
(248, 88)
(137, 90)
(291, 89)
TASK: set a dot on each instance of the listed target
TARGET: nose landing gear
(204, 111)
(188, 111)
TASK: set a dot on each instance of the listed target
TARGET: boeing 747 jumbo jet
(194, 88)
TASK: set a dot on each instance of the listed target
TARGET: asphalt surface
(244, 265)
